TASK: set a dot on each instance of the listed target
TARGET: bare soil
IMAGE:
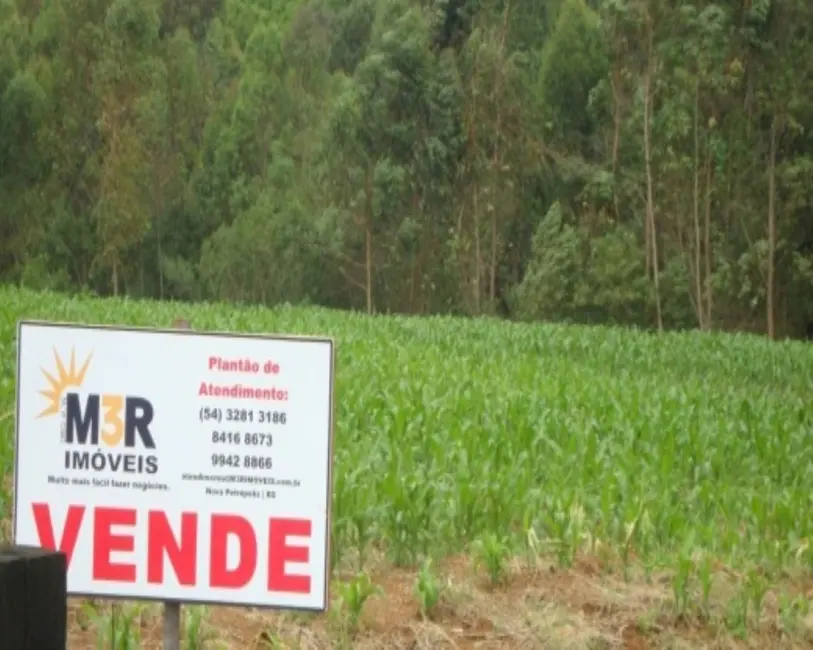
(544, 607)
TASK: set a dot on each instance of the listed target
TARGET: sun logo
(70, 378)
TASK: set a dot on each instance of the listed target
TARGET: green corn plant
(350, 602)
(492, 552)
(117, 629)
(475, 436)
(428, 589)
(197, 635)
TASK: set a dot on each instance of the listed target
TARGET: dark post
(172, 609)
(33, 599)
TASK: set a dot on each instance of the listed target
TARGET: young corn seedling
(350, 602)
(632, 535)
(271, 640)
(792, 612)
(757, 586)
(736, 618)
(706, 578)
(682, 583)
(491, 552)
(197, 634)
(532, 547)
(428, 590)
(117, 630)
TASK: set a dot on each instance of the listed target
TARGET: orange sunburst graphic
(70, 378)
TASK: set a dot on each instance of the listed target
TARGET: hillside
(574, 487)
(599, 161)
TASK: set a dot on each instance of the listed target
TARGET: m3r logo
(98, 419)
(136, 420)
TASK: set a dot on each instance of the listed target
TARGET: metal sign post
(172, 608)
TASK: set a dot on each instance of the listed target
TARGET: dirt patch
(544, 607)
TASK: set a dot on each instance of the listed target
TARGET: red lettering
(181, 551)
(279, 552)
(182, 555)
(105, 542)
(45, 528)
(219, 574)
(212, 362)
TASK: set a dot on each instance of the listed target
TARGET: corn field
(680, 452)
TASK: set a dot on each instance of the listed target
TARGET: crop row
(452, 430)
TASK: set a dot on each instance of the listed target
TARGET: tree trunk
(159, 214)
(707, 245)
(770, 289)
(368, 241)
(368, 266)
(495, 160)
(616, 91)
(462, 261)
(492, 286)
(413, 281)
(478, 259)
(698, 280)
(650, 208)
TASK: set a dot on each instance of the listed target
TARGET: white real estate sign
(177, 465)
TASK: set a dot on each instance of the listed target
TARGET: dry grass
(544, 607)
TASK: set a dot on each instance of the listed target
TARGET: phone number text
(246, 462)
(214, 414)
(237, 438)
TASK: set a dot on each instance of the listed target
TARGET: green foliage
(671, 449)
(216, 149)
(549, 286)
(573, 63)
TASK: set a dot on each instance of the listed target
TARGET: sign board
(177, 465)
